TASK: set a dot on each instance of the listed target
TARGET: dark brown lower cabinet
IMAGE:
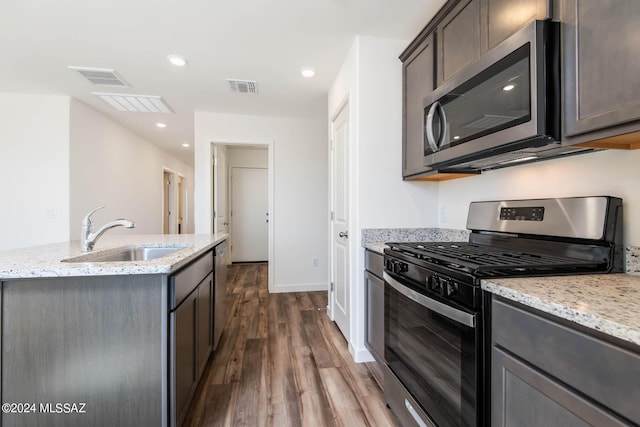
(374, 307)
(183, 355)
(547, 372)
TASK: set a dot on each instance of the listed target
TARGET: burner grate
(490, 259)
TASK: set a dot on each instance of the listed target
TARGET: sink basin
(128, 253)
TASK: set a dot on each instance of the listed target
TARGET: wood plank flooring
(282, 362)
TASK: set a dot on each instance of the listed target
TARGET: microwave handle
(428, 127)
(443, 126)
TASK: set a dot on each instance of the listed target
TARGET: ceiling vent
(243, 86)
(101, 76)
(135, 103)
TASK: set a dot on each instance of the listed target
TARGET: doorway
(229, 154)
(174, 200)
(166, 202)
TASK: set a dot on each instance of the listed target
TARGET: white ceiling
(264, 40)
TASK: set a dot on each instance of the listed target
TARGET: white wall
(371, 80)
(612, 173)
(112, 166)
(34, 154)
(247, 157)
(300, 200)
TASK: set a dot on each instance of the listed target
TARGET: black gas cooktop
(483, 260)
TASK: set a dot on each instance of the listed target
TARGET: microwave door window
(496, 99)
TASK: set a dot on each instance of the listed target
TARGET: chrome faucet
(89, 238)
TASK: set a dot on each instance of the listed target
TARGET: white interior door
(249, 214)
(339, 294)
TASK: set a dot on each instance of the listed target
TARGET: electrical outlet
(442, 214)
(314, 262)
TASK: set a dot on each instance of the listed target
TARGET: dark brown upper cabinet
(458, 39)
(600, 72)
(499, 19)
(418, 81)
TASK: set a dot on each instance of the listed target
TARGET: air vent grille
(101, 76)
(243, 86)
(135, 103)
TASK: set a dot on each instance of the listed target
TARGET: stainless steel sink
(128, 253)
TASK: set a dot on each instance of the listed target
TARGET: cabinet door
(220, 306)
(502, 18)
(458, 38)
(523, 396)
(205, 322)
(418, 82)
(183, 337)
(600, 64)
(374, 288)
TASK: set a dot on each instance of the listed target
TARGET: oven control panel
(396, 266)
(431, 281)
(450, 288)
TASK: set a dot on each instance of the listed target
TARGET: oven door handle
(440, 308)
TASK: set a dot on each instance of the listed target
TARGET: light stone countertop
(45, 260)
(609, 303)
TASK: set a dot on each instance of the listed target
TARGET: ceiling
(264, 40)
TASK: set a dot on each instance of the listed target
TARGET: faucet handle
(87, 219)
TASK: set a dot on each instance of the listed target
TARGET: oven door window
(437, 359)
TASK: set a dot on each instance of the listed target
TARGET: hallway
(282, 362)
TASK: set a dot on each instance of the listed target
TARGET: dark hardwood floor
(282, 362)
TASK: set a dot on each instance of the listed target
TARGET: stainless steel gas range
(436, 327)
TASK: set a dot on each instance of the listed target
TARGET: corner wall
(34, 142)
(110, 165)
(300, 181)
(371, 80)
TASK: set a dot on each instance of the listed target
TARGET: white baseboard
(361, 355)
(307, 287)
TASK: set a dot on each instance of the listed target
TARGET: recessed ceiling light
(308, 72)
(177, 60)
(508, 87)
(185, 145)
(161, 125)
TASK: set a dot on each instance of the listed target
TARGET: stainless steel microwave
(500, 110)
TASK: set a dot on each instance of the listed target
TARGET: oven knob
(389, 265)
(403, 267)
(452, 289)
(434, 284)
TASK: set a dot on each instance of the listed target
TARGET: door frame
(342, 106)
(173, 200)
(268, 143)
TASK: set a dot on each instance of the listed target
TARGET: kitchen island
(95, 343)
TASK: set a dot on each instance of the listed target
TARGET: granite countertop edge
(608, 303)
(46, 260)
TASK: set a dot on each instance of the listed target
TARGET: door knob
(344, 234)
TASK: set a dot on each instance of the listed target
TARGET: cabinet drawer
(600, 370)
(374, 262)
(186, 280)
